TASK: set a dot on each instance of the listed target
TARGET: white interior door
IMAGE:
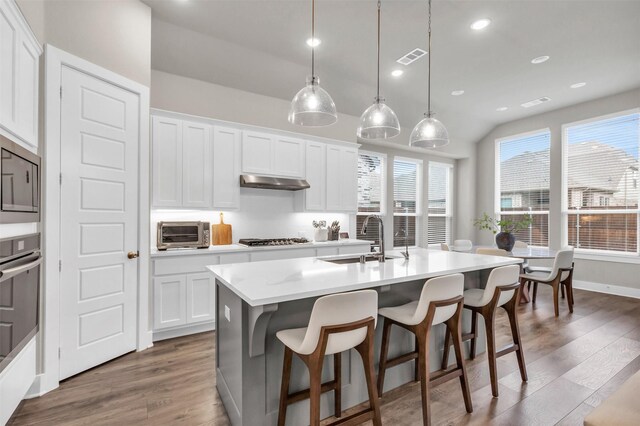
(99, 221)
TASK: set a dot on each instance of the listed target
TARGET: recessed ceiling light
(480, 24)
(500, 109)
(539, 59)
(397, 73)
(313, 42)
(578, 85)
(457, 92)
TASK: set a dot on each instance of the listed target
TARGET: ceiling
(259, 46)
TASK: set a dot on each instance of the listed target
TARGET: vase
(321, 234)
(505, 240)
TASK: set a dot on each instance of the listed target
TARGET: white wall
(185, 95)
(614, 273)
(114, 34)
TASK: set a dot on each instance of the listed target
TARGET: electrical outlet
(227, 313)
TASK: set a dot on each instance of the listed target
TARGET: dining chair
(444, 247)
(463, 245)
(521, 244)
(492, 251)
(560, 275)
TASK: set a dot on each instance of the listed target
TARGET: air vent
(536, 102)
(412, 56)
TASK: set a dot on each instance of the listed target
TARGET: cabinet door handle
(133, 254)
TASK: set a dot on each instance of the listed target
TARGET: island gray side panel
(229, 347)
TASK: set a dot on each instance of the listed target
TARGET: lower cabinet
(184, 291)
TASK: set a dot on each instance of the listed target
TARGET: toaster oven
(183, 235)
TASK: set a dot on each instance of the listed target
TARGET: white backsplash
(263, 214)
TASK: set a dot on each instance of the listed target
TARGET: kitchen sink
(356, 259)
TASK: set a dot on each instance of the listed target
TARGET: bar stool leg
(491, 351)
(474, 330)
(423, 357)
(515, 332)
(337, 390)
(315, 374)
(453, 326)
(535, 292)
(447, 344)
(384, 352)
(284, 386)
(416, 364)
(365, 349)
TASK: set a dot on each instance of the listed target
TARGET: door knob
(133, 254)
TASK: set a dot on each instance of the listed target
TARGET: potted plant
(321, 233)
(503, 228)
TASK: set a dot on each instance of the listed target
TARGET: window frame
(497, 205)
(419, 198)
(448, 215)
(383, 189)
(585, 253)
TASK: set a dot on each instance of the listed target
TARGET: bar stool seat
(338, 323)
(440, 302)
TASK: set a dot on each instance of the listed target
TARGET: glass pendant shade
(312, 106)
(429, 133)
(378, 122)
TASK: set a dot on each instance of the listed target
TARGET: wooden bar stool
(338, 322)
(558, 277)
(440, 302)
(502, 291)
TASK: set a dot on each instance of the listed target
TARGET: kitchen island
(256, 300)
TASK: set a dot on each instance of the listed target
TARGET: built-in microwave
(20, 183)
(183, 235)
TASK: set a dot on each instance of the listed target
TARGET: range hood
(270, 182)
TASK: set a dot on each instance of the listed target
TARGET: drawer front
(184, 264)
(228, 258)
(283, 254)
(327, 251)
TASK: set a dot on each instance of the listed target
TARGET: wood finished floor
(574, 363)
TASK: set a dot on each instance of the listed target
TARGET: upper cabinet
(195, 165)
(267, 154)
(19, 67)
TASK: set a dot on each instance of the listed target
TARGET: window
(371, 188)
(439, 213)
(600, 183)
(522, 183)
(407, 190)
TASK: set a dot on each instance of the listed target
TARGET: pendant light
(430, 132)
(312, 106)
(378, 121)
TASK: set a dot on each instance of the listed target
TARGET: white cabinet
(19, 67)
(196, 165)
(166, 134)
(169, 295)
(315, 197)
(342, 178)
(266, 154)
(201, 293)
(226, 168)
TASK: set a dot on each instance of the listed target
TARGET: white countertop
(234, 248)
(275, 281)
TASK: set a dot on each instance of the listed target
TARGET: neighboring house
(599, 176)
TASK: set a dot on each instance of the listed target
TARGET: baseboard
(617, 290)
(183, 331)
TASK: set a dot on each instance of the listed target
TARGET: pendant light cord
(429, 75)
(378, 82)
(313, 38)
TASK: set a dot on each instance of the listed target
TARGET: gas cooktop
(254, 242)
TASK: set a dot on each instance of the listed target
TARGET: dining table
(526, 253)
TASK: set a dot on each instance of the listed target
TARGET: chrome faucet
(380, 231)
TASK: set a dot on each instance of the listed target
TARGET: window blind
(523, 184)
(439, 196)
(371, 187)
(407, 178)
(601, 181)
